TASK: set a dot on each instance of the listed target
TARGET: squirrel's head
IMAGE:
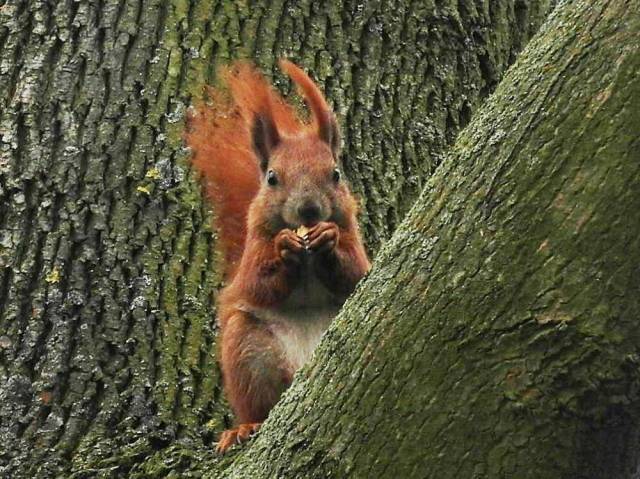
(302, 182)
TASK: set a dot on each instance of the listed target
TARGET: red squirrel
(269, 174)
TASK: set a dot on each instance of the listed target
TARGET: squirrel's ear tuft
(265, 137)
(324, 118)
(330, 133)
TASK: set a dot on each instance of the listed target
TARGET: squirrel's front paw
(289, 246)
(323, 237)
(231, 437)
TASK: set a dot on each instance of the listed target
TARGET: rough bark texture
(497, 335)
(106, 263)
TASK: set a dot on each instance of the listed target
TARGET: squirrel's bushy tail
(219, 133)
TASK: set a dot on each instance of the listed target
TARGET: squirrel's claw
(323, 237)
(231, 437)
(289, 246)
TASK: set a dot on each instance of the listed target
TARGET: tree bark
(497, 335)
(107, 337)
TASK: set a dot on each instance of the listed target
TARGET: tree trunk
(106, 264)
(497, 335)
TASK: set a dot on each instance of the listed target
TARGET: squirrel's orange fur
(267, 173)
(220, 137)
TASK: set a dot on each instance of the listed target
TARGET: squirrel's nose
(309, 212)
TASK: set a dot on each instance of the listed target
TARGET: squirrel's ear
(265, 137)
(329, 132)
(324, 117)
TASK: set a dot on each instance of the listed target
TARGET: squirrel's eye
(272, 179)
(336, 175)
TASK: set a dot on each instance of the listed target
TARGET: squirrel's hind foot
(238, 435)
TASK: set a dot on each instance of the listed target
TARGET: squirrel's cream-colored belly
(300, 321)
(298, 337)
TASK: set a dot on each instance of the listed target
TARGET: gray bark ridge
(497, 334)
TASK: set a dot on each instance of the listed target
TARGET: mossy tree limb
(107, 338)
